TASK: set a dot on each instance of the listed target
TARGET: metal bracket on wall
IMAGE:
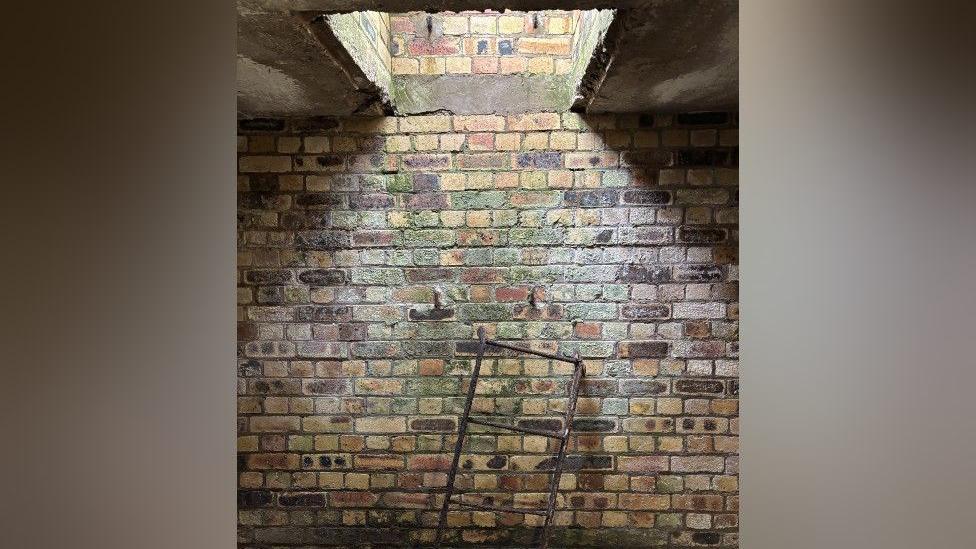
(562, 436)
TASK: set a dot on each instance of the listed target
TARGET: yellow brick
(326, 443)
(397, 143)
(615, 444)
(403, 65)
(562, 179)
(670, 444)
(452, 181)
(616, 483)
(330, 480)
(381, 424)
(452, 218)
(247, 444)
(432, 65)
(357, 481)
(512, 65)
(455, 24)
(508, 443)
(477, 181)
(615, 518)
(560, 25)
(507, 141)
(251, 480)
(425, 123)
(669, 406)
(458, 65)
(548, 46)
(533, 180)
(563, 66)
(483, 24)
(511, 24)
(479, 218)
(506, 180)
(426, 142)
(540, 65)
(535, 444)
(535, 141)
(563, 140)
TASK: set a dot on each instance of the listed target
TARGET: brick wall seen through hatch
(484, 42)
(615, 236)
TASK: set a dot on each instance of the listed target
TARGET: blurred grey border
(857, 275)
(858, 254)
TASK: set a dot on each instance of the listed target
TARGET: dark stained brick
(253, 498)
(702, 118)
(699, 386)
(645, 312)
(598, 198)
(701, 235)
(644, 349)
(323, 277)
(698, 273)
(302, 499)
(431, 314)
(322, 240)
(540, 160)
(441, 425)
(642, 387)
(261, 125)
(646, 197)
(643, 274)
(594, 425)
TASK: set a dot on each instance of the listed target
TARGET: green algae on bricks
(377, 276)
(486, 311)
(477, 200)
(400, 183)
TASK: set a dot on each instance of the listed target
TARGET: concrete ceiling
(659, 55)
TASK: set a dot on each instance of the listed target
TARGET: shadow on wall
(372, 249)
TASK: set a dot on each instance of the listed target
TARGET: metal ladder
(562, 436)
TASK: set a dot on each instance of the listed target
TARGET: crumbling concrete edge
(334, 32)
(599, 46)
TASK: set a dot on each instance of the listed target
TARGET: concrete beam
(658, 56)
(402, 6)
(296, 65)
(668, 56)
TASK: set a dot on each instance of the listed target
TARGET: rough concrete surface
(670, 56)
(483, 94)
(283, 69)
(673, 57)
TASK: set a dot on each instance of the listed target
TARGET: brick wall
(484, 42)
(372, 249)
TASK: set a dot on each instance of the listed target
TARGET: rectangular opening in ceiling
(474, 62)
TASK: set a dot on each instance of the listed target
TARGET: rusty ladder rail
(563, 436)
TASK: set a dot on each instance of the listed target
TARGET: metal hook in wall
(535, 21)
(430, 25)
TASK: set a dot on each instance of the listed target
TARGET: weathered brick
(581, 160)
(322, 277)
(642, 464)
(484, 161)
(424, 124)
(540, 160)
(423, 162)
(645, 312)
(599, 198)
(645, 197)
(533, 121)
(644, 349)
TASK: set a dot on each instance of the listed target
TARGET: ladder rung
(502, 508)
(528, 430)
(518, 349)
